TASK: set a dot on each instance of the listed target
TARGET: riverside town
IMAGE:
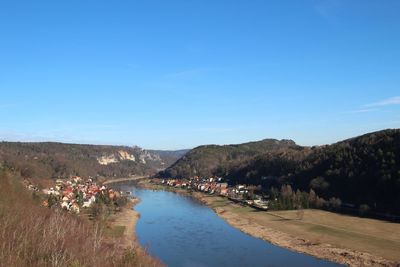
(243, 194)
(75, 194)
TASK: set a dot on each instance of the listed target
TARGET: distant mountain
(169, 157)
(50, 160)
(361, 171)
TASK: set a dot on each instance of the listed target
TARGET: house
(224, 192)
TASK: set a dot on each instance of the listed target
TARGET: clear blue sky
(176, 74)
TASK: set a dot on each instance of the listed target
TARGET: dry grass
(115, 231)
(31, 235)
(368, 235)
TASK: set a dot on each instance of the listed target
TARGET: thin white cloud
(387, 102)
(365, 110)
(375, 106)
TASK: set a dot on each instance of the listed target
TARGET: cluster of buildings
(209, 185)
(75, 193)
(217, 186)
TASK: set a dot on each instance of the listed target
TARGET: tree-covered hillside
(362, 171)
(218, 160)
(53, 160)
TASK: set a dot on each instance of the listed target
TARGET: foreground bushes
(31, 235)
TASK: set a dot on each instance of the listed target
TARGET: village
(242, 194)
(75, 194)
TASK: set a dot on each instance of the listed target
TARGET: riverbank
(324, 235)
(126, 220)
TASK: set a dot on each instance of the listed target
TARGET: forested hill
(220, 160)
(53, 160)
(361, 170)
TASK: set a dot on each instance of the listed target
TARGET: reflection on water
(182, 232)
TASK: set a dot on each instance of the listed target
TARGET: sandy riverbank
(280, 231)
(128, 218)
(316, 249)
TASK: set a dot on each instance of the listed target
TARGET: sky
(178, 74)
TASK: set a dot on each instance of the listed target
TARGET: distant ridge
(363, 170)
(210, 160)
(58, 160)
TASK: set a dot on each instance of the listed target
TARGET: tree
(52, 200)
(27, 172)
(335, 203)
(320, 202)
(319, 183)
(275, 193)
(312, 198)
(364, 209)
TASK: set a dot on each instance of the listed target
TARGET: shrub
(31, 235)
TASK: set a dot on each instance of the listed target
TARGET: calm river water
(183, 233)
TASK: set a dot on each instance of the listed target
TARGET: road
(120, 180)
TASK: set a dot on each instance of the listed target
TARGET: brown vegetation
(31, 235)
(57, 160)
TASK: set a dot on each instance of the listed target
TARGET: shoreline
(318, 250)
(128, 218)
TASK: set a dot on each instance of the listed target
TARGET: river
(184, 233)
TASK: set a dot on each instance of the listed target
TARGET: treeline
(364, 172)
(288, 199)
